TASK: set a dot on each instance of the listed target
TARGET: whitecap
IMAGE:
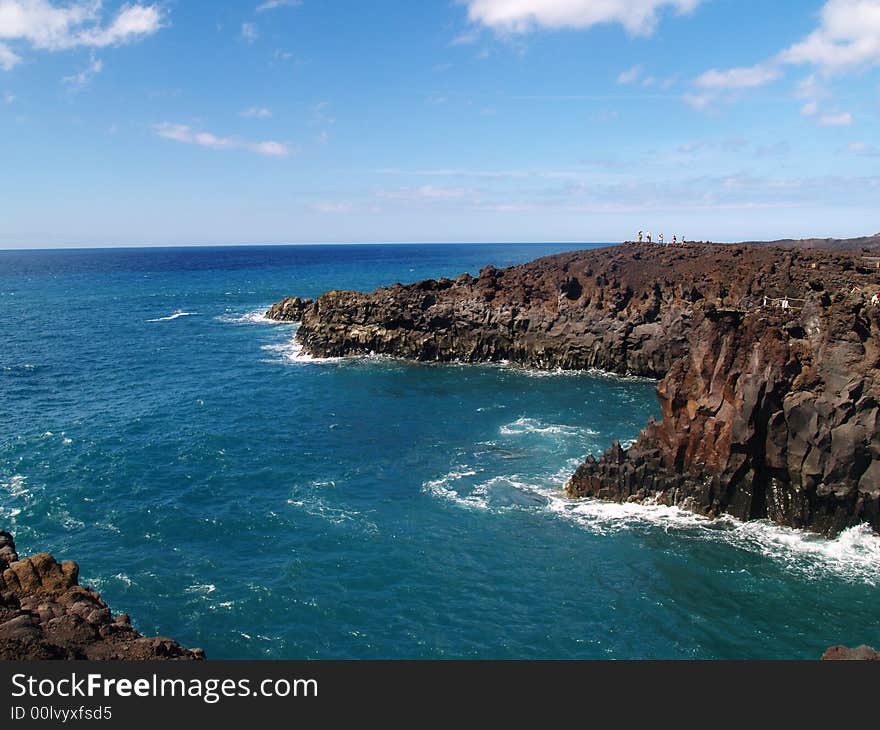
(532, 425)
(854, 555)
(291, 352)
(203, 589)
(316, 506)
(176, 315)
(255, 316)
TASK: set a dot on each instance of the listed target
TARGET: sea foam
(854, 555)
(179, 313)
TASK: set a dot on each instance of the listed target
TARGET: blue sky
(247, 121)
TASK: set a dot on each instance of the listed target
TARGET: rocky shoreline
(46, 614)
(770, 410)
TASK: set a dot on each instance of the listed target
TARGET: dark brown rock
(46, 614)
(767, 413)
(290, 309)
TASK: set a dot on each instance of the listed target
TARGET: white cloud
(331, 206)
(847, 38)
(810, 88)
(424, 192)
(738, 78)
(8, 59)
(79, 81)
(8, 97)
(639, 17)
(631, 75)
(698, 101)
(48, 25)
(465, 38)
(844, 119)
(256, 112)
(864, 149)
(272, 4)
(187, 135)
(132, 23)
(249, 32)
(810, 109)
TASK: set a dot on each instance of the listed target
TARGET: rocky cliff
(768, 412)
(46, 614)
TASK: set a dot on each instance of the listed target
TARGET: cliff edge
(767, 360)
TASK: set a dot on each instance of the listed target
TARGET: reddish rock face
(860, 653)
(46, 614)
(767, 411)
(769, 416)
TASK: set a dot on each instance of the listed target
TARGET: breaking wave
(854, 555)
(176, 315)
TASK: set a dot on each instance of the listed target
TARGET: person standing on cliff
(661, 239)
(640, 236)
(649, 236)
(674, 239)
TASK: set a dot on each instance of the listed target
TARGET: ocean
(227, 491)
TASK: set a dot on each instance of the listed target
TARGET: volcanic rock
(289, 310)
(46, 614)
(769, 411)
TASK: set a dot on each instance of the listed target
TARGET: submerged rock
(46, 614)
(768, 412)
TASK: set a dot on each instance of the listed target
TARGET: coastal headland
(766, 359)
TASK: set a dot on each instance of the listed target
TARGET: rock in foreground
(860, 653)
(46, 614)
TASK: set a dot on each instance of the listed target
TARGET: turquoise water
(226, 491)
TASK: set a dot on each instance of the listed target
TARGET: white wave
(854, 555)
(19, 496)
(256, 316)
(316, 506)
(123, 578)
(202, 589)
(533, 372)
(176, 315)
(292, 352)
(532, 425)
(16, 486)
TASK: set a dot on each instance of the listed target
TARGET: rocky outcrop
(289, 309)
(46, 614)
(770, 415)
(767, 412)
(860, 653)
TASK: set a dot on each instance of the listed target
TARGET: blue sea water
(229, 492)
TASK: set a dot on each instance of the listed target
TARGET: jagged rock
(46, 614)
(860, 653)
(290, 309)
(767, 413)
